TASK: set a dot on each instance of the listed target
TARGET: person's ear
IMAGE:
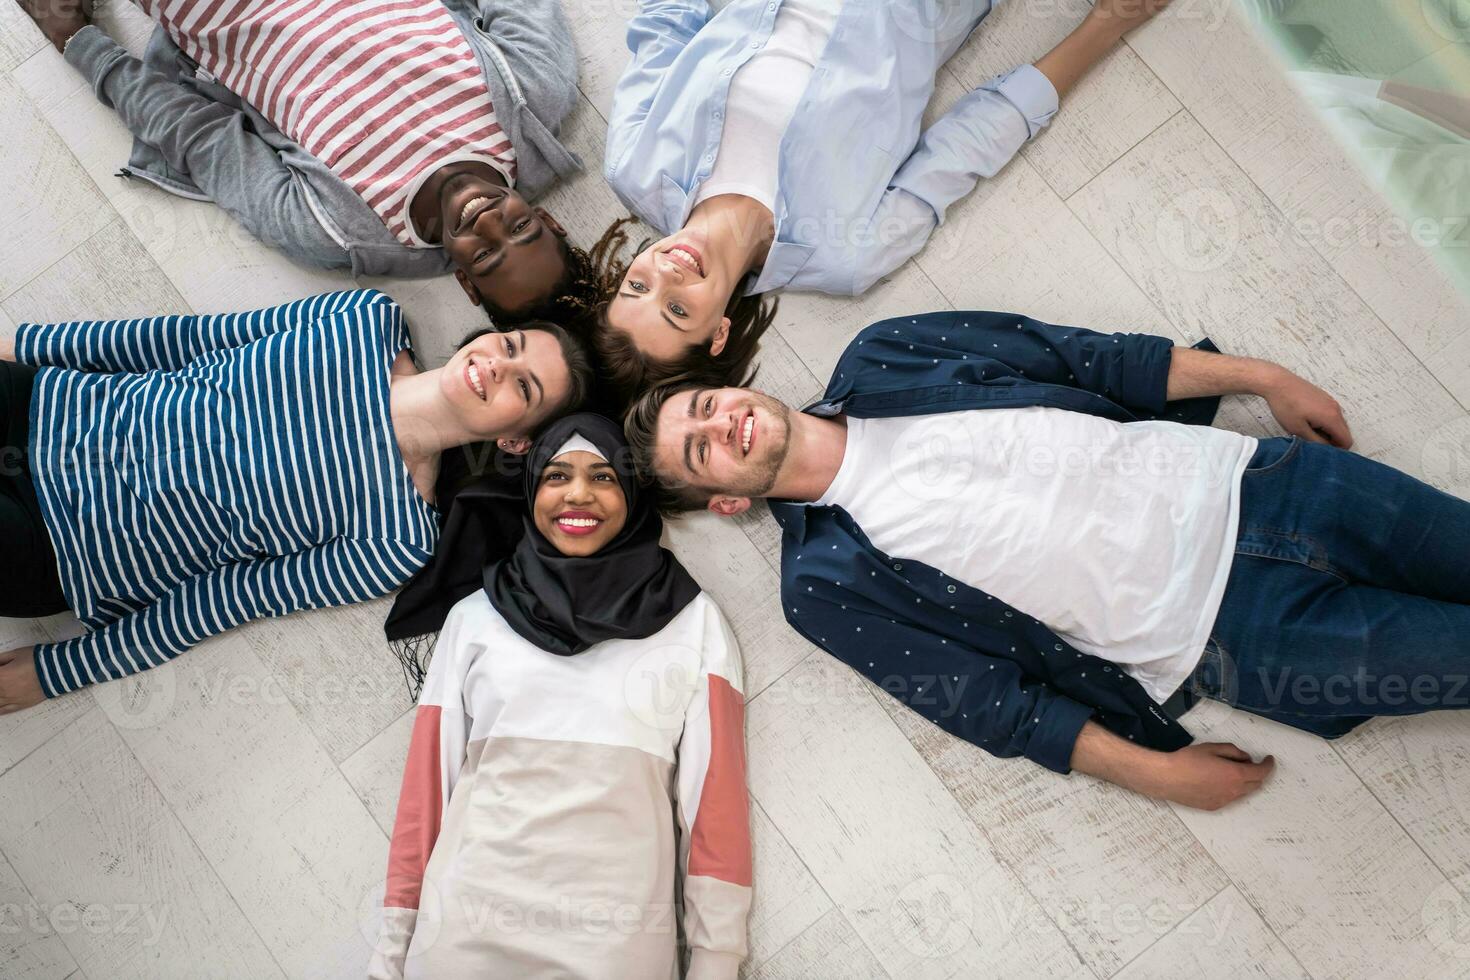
(516, 447)
(722, 334)
(468, 286)
(729, 506)
(551, 223)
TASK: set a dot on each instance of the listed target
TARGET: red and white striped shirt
(384, 92)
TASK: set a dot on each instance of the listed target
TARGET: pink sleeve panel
(719, 842)
(420, 812)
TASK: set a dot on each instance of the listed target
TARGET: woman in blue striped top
(180, 475)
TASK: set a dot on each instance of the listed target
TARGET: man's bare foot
(58, 19)
(20, 688)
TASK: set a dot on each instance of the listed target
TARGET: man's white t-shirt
(763, 96)
(1118, 537)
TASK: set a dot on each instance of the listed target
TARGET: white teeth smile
(471, 206)
(475, 382)
(689, 260)
(579, 521)
(745, 434)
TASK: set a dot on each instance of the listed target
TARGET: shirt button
(725, 72)
(951, 590)
(897, 567)
(755, 44)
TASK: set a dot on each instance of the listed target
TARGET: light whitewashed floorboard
(96, 844)
(1256, 295)
(788, 901)
(108, 275)
(246, 792)
(1224, 940)
(30, 942)
(1330, 870)
(928, 898)
(375, 771)
(829, 948)
(47, 193)
(263, 801)
(1113, 870)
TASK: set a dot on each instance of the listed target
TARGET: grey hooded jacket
(197, 139)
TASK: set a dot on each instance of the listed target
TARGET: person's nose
(718, 427)
(578, 494)
(490, 225)
(496, 368)
(668, 269)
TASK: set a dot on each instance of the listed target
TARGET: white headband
(576, 443)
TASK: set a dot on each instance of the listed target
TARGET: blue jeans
(1349, 596)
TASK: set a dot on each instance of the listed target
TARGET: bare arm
(1099, 32)
(1206, 776)
(1301, 407)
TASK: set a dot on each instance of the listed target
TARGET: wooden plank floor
(227, 815)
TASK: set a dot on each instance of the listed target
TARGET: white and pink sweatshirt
(552, 807)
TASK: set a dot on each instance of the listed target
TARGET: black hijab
(630, 589)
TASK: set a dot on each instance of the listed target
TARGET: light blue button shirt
(860, 184)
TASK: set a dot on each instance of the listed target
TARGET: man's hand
(20, 688)
(1209, 775)
(58, 19)
(1305, 410)
(1301, 407)
(7, 348)
(1206, 776)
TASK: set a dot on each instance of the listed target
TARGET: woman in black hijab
(581, 692)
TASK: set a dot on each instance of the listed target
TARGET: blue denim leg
(1349, 596)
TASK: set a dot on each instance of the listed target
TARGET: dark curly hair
(627, 370)
(571, 303)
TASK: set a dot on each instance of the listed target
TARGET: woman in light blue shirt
(779, 143)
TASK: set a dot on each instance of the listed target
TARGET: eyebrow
(500, 256)
(689, 439)
(539, 386)
(627, 295)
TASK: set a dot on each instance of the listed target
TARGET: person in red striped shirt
(389, 137)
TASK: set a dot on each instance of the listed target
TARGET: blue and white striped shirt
(196, 472)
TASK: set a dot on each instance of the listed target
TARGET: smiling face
(672, 298)
(504, 383)
(579, 505)
(509, 256)
(730, 441)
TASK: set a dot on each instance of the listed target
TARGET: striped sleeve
(171, 342)
(340, 571)
(436, 753)
(714, 811)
